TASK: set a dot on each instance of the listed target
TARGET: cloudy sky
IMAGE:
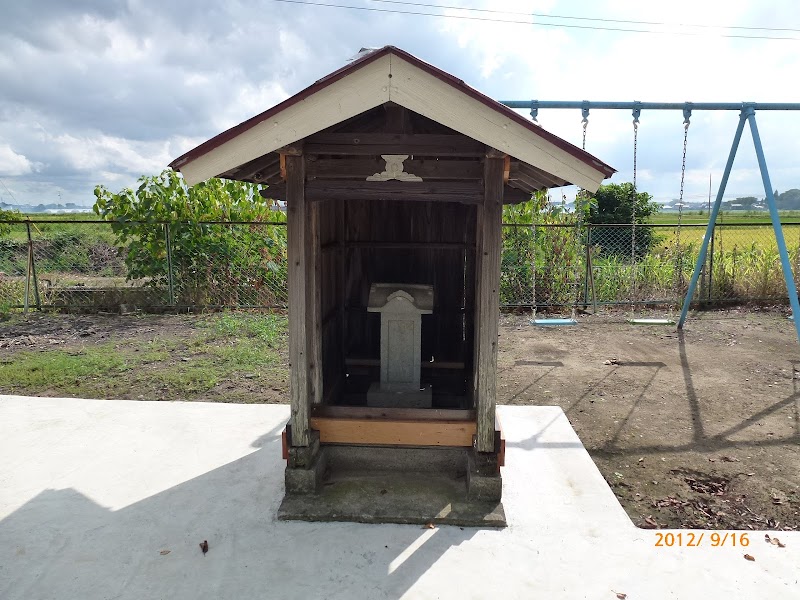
(103, 91)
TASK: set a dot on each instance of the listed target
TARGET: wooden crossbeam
(463, 192)
(391, 143)
(376, 362)
(394, 432)
(420, 191)
(363, 167)
(408, 414)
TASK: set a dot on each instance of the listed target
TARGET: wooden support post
(487, 309)
(298, 234)
(341, 265)
(314, 304)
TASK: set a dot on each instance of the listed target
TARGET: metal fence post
(711, 264)
(170, 281)
(587, 266)
(31, 273)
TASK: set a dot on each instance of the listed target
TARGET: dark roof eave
(320, 84)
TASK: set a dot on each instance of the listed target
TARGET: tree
(555, 251)
(212, 263)
(8, 215)
(616, 204)
(788, 200)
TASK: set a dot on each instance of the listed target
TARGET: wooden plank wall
(370, 224)
(332, 282)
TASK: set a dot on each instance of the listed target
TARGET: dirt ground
(699, 428)
(693, 429)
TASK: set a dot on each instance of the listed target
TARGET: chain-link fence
(105, 266)
(556, 267)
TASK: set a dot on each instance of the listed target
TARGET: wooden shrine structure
(393, 171)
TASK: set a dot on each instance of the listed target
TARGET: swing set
(747, 114)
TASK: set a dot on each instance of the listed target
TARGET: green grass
(267, 328)
(737, 217)
(223, 348)
(61, 370)
(243, 343)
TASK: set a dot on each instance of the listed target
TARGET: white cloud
(99, 152)
(13, 164)
(102, 91)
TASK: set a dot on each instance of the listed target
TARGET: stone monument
(401, 307)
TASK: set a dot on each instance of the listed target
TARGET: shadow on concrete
(535, 442)
(62, 544)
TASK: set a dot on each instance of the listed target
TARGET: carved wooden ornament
(394, 169)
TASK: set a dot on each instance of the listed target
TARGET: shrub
(212, 262)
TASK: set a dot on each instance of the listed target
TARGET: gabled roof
(392, 75)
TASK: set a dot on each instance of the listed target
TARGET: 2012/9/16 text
(691, 539)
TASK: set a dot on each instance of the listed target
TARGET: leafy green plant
(553, 247)
(213, 262)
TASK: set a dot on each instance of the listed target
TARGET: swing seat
(553, 322)
(651, 321)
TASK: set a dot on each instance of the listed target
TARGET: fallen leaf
(429, 525)
(164, 552)
(729, 459)
(750, 558)
(204, 547)
(651, 523)
(774, 541)
(612, 361)
(621, 596)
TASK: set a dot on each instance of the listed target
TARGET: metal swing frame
(747, 114)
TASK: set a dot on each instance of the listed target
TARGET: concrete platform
(378, 497)
(369, 484)
(92, 493)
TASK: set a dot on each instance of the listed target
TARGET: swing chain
(584, 122)
(687, 115)
(634, 278)
(579, 210)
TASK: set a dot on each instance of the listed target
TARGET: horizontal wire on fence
(132, 222)
(92, 264)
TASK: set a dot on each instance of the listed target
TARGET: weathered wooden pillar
(487, 299)
(314, 304)
(304, 307)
